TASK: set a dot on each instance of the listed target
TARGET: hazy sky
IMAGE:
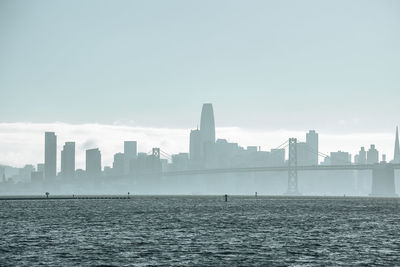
(293, 65)
(267, 66)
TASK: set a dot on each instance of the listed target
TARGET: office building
(130, 154)
(93, 162)
(339, 158)
(68, 160)
(118, 164)
(277, 157)
(50, 156)
(180, 161)
(372, 155)
(207, 124)
(362, 156)
(195, 146)
(303, 154)
(312, 143)
(36, 177)
(24, 174)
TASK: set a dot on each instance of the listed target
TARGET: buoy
(226, 198)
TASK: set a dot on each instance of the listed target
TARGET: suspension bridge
(382, 173)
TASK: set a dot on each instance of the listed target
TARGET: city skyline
(199, 133)
(205, 136)
(272, 69)
(174, 141)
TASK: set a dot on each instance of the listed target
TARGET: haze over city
(99, 73)
(199, 133)
(64, 66)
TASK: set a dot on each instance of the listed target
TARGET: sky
(269, 67)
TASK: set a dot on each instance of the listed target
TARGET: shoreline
(104, 196)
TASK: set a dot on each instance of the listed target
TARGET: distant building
(195, 146)
(24, 174)
(50, 155)
(207, 131)
(356, 159)
(130, 154)
(207, 124)
(226, 154)
(277, 157)
(119, 163)
(40, 167)
(372, 155)
(303, 154)
(148, 163)
(396, 157)
(108, 171)
(36, 177)
(339, 158)
(362, 156)
(307, 152)
(312, 143)
(180, 161)
(252, 148)
(93, 162)
(80, 174)
(68, 160)
(140, 164)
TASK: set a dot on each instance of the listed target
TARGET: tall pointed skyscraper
(396, 158)
(207, 133)
(207, 124)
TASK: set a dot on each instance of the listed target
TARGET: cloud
(23, 143)
(88, 144)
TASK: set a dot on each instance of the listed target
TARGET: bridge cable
(324, 155)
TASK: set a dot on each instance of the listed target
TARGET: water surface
(200, 231)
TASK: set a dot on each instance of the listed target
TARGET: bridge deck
(359, 167)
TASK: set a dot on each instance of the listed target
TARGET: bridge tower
(292, 168)
(383, 180)
(156, 153)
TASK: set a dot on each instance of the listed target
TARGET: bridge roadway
(358, 167)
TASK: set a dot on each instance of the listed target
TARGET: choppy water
(200, 231)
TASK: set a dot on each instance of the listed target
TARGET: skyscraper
(50, 155)
(68, 160)
(207, 124)
(118, 164)
(130, 154)
(396, 158)
(195, 146)
(303, 154)
(93, 162)
(362, 156)
(372, 155)
(312, 143)
(207, 132)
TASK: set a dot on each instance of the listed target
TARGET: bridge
(359, 167)
(382, 173)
